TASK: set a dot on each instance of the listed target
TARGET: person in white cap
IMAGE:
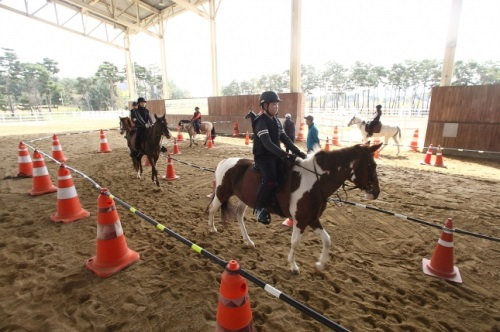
(289, 127)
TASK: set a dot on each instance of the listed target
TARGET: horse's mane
(329, 160)
(185, 121)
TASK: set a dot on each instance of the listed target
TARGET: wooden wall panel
(476, 111)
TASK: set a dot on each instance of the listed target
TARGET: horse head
(364, 173)
(354, 120)
(250, 115)
(162, 124)
(125, 124)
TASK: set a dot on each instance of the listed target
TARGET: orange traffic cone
(104, 146)
(233, 310)
(57, 153)
(376, 154)
(113, 254)
(176, 147)
(439, 158)
(288, 222)
(210, 142)
(247, 139)
(327, 145)
(180, 138)
(236, 132)
(441, 263)
(335, 139)
(414, 142)
(146, 162)
(428, 156)
(24, 162)
(69, 208)
(170, 176)
(42, 184)
(301, 138)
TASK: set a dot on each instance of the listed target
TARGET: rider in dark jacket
(268, 155)
(142, 122)
(289, 127)
(375, 120)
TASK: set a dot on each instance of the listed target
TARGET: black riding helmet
(140, 99)
(269, 97)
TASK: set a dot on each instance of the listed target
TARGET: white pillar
(451, 43)
(295, 54)
(163, 61)
(213, 45)
(128, 63)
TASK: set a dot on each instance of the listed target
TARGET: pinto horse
(386, 131)
(206, 128)
(150, 146)
(305, 193)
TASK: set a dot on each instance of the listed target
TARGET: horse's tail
(399, 132)
(213, 133)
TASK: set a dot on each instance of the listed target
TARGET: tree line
(408, 84)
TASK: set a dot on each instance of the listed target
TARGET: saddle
(376, 128)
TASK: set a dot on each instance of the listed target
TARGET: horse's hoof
(295, 272)
(249, 245)
(319, 267)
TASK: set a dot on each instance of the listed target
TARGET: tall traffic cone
(146, 162)
(113, 254)
(247, 139)
(327, 145)
(428, 156)
(236, 131)
(170, 176)
(233, 310)
(57, 153)
(42, 184)
(414, 142)
(210, 142)
(301, 138)
(176, 148)
(441, 263)
(180, 138)
(439, 158)
(288, 222)
(103, 146)
(69, 208)
(376, 154)
(335, 139)
(24, 162)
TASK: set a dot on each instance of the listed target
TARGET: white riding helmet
(288, 116)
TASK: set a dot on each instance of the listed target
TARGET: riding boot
(263, 197)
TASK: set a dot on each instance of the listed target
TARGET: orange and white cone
(428, 156)
(113, 254)
(233, 310)
(441, 263)
(24, 162)
(414, 142)
(42, 183)
(301, 137)
(210, 142)
(146, 162)
(376, 154)
(170, 176)
(439, 158)
(335, 139)
(327, 145)
(57, 153)
(180, 138)
(69, 208)
(236, 132)
(103, 144)
(247, 138)
(176, 148)
(288, 222)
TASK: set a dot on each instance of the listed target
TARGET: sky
(253, 38)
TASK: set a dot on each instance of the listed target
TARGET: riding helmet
(378, 107)
(134, 103)
(140, 100)
(288, 116)
(269, 97)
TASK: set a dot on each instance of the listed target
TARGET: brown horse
(205, 128)
(150, 146)
(305, 193)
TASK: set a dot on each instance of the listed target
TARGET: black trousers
(273, 174)
(141, 131)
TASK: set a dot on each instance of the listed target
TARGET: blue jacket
(312, 137)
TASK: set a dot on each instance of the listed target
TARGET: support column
(163, 61)
(295, 55)
(451, 43)
(130, 73)
(213, 46)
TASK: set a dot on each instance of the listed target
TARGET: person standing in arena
(289, 127)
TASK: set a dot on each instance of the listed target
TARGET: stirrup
(263, 216)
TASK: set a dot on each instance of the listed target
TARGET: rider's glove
(291, 157)
(301, 155)
(147, 125)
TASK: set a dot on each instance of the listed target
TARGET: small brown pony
(304, 196)
(205, 128)
(125, 125)
(150, 146)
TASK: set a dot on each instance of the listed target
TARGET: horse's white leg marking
(214, 206)
(295, 240)
(323, 257)
(240, 216)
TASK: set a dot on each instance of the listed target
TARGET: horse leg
(240, 216)
(212, 208)
(295, 240)
(386, 140)
(323, 257)
(395, 138)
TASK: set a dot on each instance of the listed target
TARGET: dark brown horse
(125, 125)
(150, 147)
(305, 193)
